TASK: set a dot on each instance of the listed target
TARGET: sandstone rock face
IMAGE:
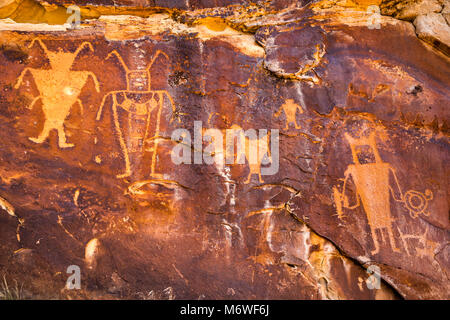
(356, 111)
(410, 9)
(446, 11)
(434, 29)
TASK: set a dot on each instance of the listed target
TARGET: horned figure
(373, 190)
(138, 101)
(59, 88)
(255, 149)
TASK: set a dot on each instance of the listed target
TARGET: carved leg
(260, 179)
(297, 126)
(375, 242)
(44, 133)
(392, 240)
(123, 146)
(249, 178)
(62, 141)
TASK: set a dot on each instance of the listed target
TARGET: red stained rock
(86, 120)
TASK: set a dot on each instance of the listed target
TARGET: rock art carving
(139, 101)
(59, 88)
(262, 145)
(249, 146)
(427, 246)
(289, 107)
(373, 190)
(253, 149)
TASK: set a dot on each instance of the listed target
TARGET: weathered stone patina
(86, 176)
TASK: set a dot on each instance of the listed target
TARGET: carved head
(364, 150)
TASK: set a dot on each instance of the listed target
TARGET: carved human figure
(373, 190)
(59, 88)
(290, 111)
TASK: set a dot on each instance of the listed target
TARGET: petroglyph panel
(354, 120)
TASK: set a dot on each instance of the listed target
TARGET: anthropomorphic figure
(373, 189)
(139, 102)
(59, 88)
(255, 151)
(290, 111)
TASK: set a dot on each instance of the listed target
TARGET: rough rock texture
(431, 18)
(86, 176)
(434, 29)
(410, 9)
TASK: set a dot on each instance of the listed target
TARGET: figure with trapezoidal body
(289, 107)
(373, 190)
